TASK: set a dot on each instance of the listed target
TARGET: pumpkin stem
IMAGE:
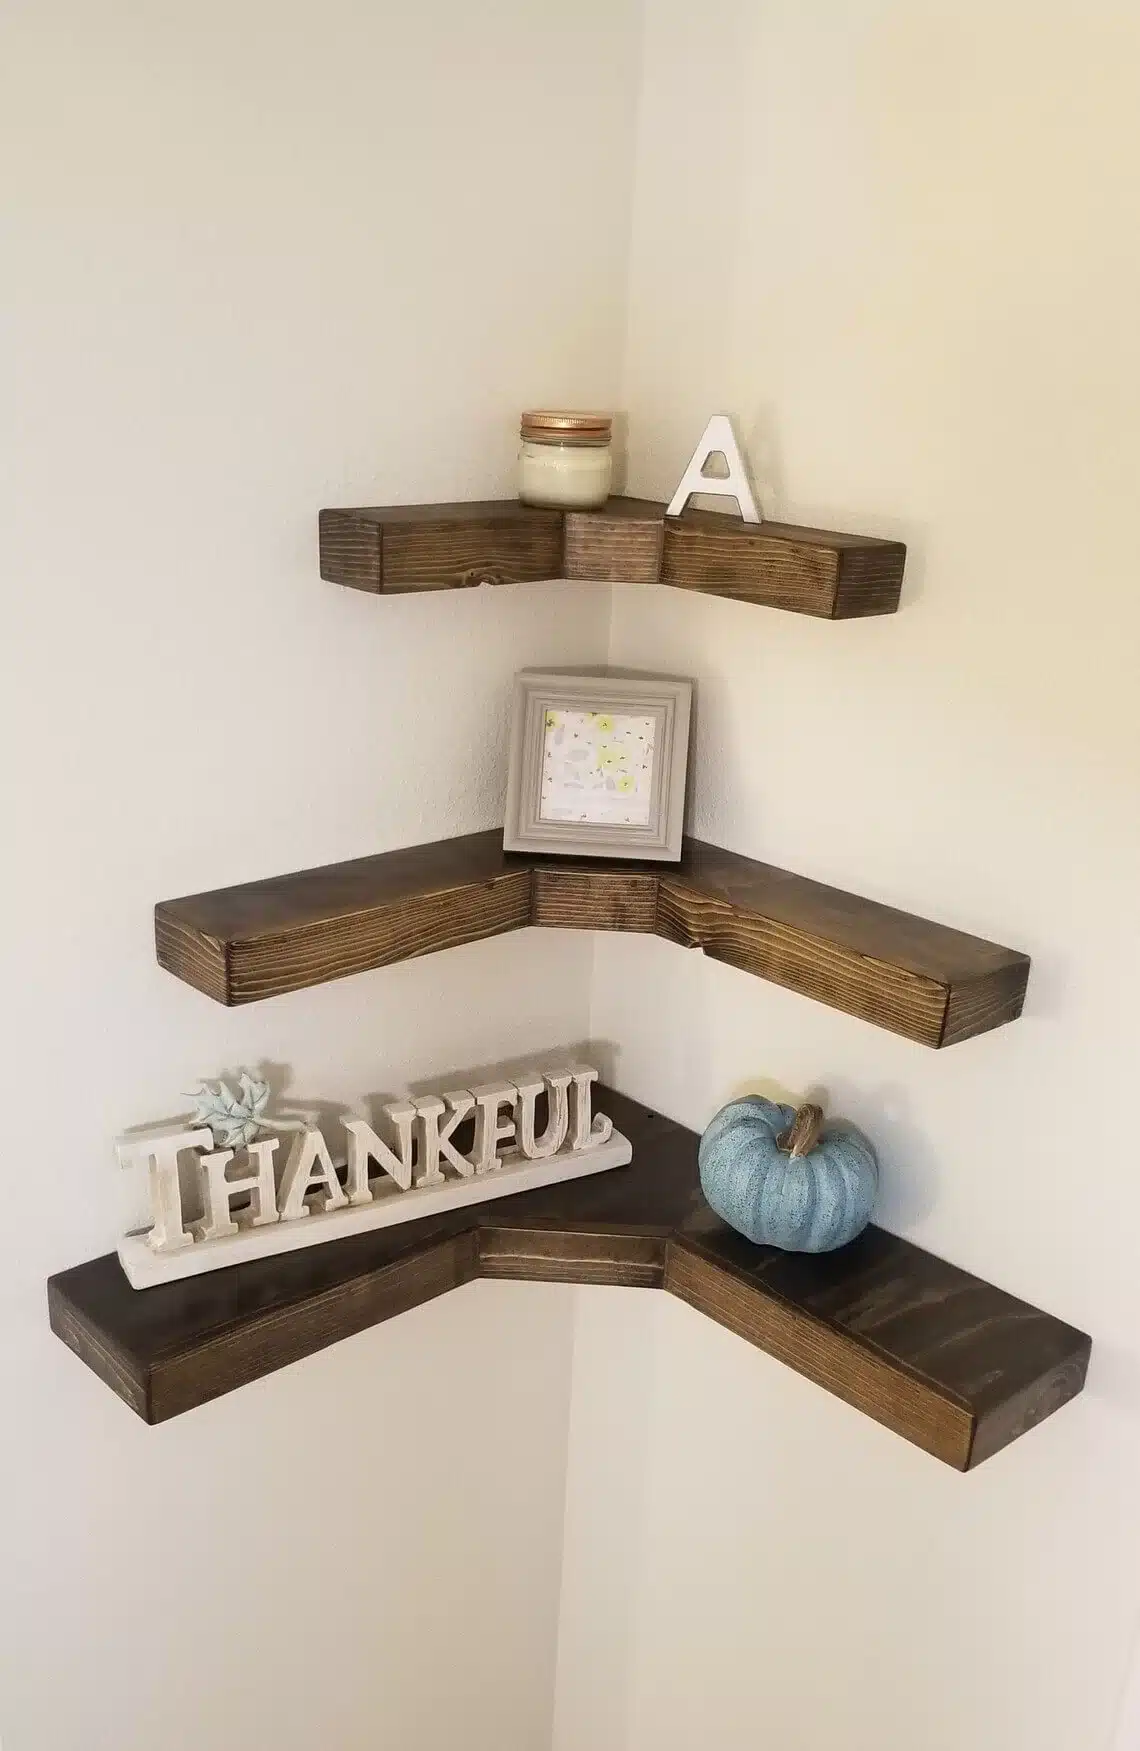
(802, 1134)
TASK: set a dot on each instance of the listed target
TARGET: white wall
(900, 243)
(257, 258)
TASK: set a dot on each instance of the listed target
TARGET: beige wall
(901, 243)
(257, 258)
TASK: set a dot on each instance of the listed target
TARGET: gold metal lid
(559, 424)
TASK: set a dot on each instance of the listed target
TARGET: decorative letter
(718, 437)
(435, 1141)
(364, 1146)
(558, 1119)
(219, 1220)
(489, 1132)
(588, 1133)
(161, 1157)
(309, 1163)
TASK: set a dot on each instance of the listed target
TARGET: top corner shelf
(399, 548)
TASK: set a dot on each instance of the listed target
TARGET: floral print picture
(597, 766)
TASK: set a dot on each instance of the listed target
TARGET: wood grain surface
(940, 1357)
(593, 898)
(812, 571)
(618, 545)
(440, 547)
(263, 938)
(916, 978)
(777, 565)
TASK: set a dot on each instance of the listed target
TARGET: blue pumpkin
(774, 1177)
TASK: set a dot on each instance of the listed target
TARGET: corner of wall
(612, 1378)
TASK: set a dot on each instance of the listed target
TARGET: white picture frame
(598, 762)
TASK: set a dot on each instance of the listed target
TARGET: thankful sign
(410, 1167)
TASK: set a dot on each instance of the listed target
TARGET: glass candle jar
(565, 459)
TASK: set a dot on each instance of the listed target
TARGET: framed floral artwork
(598, 763)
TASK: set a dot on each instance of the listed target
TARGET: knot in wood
(480, 574)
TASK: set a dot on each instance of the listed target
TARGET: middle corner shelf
(922, 980)
(400, 548)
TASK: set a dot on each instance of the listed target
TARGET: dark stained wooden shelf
(396, 548)
(922, 980)
(949, 1362)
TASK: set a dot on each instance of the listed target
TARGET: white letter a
(718, 437)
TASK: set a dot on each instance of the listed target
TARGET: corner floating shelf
(938, 1356)
(921, 980)
(949, 1362)
(446, 547)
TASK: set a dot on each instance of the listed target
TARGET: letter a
(718, 438)
(309, 1164)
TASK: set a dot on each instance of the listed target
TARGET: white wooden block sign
(718, 439)
(421, 1173)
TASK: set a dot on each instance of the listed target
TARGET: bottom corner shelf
(951, 1363)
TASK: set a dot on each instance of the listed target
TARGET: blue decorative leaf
(232, 1120)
